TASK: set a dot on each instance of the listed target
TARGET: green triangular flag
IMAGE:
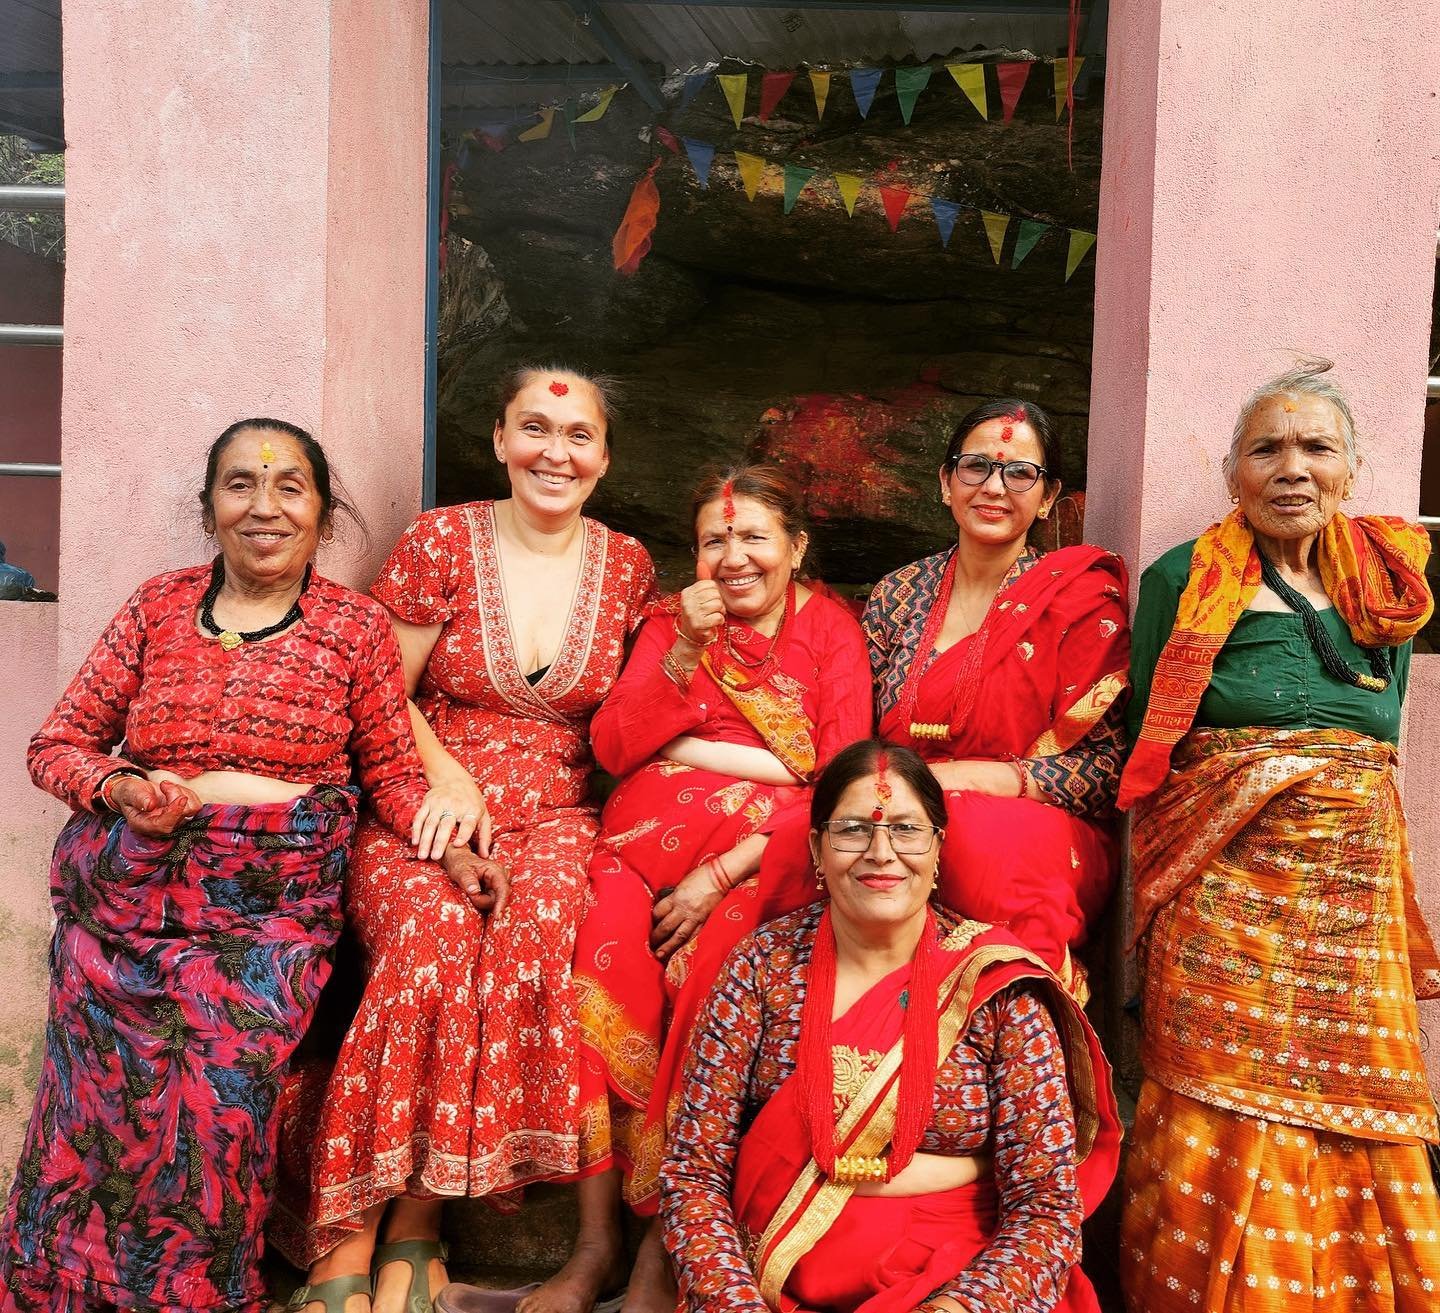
(1080, 244)
(1029, 232)
(795, 180)
(909, 83)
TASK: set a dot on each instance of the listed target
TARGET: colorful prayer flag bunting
(1013, 77)
(567, 113)
(598, 113)
(909, 83)
(773, 87)
(693, 83)
(734, 85)
(1080, 244)
(849, 186)
(864, 81)
(752, 169)
(945, 212)
(895, 199)
(1029, 232)
(795, 180)
(820, 84)
(542, 129)
(995, 226)
(667, 138)
(1066, 71)
(702, 155)
(970, 78)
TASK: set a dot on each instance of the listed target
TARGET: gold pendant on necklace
(230, 640)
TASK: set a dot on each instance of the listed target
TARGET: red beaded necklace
(742, 672)
(815, 1066)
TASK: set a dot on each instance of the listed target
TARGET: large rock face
(823, 341)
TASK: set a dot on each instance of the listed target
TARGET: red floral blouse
(320, 703)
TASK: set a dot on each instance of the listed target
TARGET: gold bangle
(854, 1169)
(679, 676)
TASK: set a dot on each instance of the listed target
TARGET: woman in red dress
(459, 1074)
(729, 705)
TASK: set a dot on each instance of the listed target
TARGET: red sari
(663, 822)
(751, 1216)
(458, 1075)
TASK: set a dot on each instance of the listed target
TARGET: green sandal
(332, 1294)
(418, 1254)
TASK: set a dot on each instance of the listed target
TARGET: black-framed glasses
(856, 836)
(1017, 475)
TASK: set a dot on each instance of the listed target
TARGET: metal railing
(31, 199)
(25, 469)
(31, 335)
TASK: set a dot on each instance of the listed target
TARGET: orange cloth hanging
(632, 237)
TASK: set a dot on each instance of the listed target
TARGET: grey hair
(1304, 380)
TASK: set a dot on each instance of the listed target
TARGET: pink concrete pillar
(246, 235)
(1270, 188)
(245, 219)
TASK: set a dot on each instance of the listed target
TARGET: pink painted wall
(1270, 188)
(31, 292)
(257, 249)
(29, 821)
(245, 235)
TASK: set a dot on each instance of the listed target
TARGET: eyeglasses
(857, 836)
(1016, 475)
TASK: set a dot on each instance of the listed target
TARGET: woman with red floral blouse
(886, 1109)
(196, 892)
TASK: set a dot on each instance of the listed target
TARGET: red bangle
(722, 879)
(102, 794)
(1022, 769)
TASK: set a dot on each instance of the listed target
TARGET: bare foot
(596, 1267)
(652, 1279)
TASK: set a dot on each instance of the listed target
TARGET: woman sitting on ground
(886, 1108)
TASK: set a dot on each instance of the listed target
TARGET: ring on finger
(445, 814)
(470, 816)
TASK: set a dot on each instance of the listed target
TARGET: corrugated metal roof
(674, 39)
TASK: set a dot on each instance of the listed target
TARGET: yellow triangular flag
(995, 226)
(1066, 70)
(752, 169)
(970, 78)
(542, 129)
(733, 85)
(1080, 244)
(598, 113)
(849, 186)
(820, 81)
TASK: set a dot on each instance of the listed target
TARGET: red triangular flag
(632, 237)
(773, 87)
(895, 200)
(1012, 82)
(667, 139)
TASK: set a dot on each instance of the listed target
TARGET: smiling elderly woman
(196, 892)
(887, 1109)
(1279, 1147)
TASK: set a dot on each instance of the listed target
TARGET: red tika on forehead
(1007, 434)
(728, 508)
(559, 388)
(883, 791)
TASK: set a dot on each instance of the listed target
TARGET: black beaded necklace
(1381, 670)
(230, 639)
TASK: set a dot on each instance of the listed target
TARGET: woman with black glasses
(1006, 671)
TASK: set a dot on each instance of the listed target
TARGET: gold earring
(1234, 501)
(819, 879)
(1043, 513)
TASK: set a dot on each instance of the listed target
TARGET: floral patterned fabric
(459, 1075)
(184, 972)
(1001, 1091)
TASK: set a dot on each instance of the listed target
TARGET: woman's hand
(681, 913)
(153, 808)
(483, 881)
(453, 811)
(998, 778)
(702, 612)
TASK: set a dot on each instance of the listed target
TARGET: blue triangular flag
(693, 83)
(863, 82)
(945, 212)
(702, 155)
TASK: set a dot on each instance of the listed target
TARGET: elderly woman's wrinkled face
(879, 885)
(749, 555)
(1291, 469)
(265, 510)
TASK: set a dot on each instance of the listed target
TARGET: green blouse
(1267, 673)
